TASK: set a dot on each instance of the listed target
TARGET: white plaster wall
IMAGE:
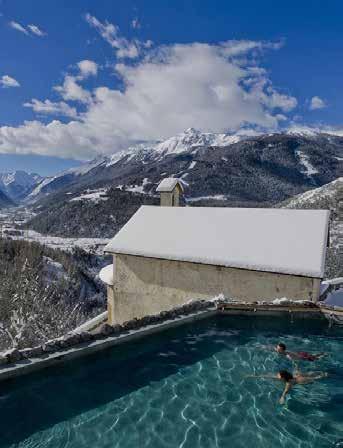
(146, 286)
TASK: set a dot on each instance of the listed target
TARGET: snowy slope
(18, 184)
(192, 138)
(213, 164)
(84, 168)
(317, 195)
(325, 197)
(140, 153)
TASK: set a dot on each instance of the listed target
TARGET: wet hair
(281, 345)
(285, 375)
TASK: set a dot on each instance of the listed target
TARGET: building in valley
(166, 256)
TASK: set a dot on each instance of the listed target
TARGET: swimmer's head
(284, 375)
(281, 348)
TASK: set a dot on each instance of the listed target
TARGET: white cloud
(87, 68)
(239, 47)
(36, 30)
(262, 88)
(18, 27)
(209, 87)
(7, 81)
(55, 138)
(110, 33)
(317, 103)
(72, 91)
(30, 29)
(50, 108)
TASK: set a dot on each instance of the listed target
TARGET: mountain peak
(17, 183)
(192, 131)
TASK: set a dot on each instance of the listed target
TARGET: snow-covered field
(216, 197)
(92, 195)
(9, 221)
(93, 245)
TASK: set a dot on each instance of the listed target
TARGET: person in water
(291, 380)
(297, 356)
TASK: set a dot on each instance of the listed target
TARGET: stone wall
(147, 286)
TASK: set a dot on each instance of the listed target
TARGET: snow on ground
(309, 169)
(310, 196)
(10, 220)
(53, 271)
(13, 216)
(36, 191)
(192, 165)
(194, 138)
(94, 245)
(106, 274)
(138, 188)
(302, 131)
(84, 168)
(216, 197)
(92, 195)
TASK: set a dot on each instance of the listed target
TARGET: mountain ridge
(18, 184)
(210, 165)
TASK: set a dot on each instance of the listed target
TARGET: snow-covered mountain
(187, 141)
(18, 184)
(5, 201)
(255, 168)
(214, 164)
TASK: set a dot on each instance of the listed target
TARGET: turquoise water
(183, 388)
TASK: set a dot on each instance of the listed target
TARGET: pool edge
(87, 348)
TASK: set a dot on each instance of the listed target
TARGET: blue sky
(153, 68)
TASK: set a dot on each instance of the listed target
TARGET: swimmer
(298, 378)
(291, 380)
(297, 356)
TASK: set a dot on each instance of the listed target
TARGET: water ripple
(187, 389)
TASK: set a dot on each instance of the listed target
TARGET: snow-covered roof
(168, 184)
(273, 240)
(106, 274)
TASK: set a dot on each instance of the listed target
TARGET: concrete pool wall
(85, 343)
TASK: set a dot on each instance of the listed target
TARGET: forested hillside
(325, 198)
(5, 201)
(82, 216)
(45, 293)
